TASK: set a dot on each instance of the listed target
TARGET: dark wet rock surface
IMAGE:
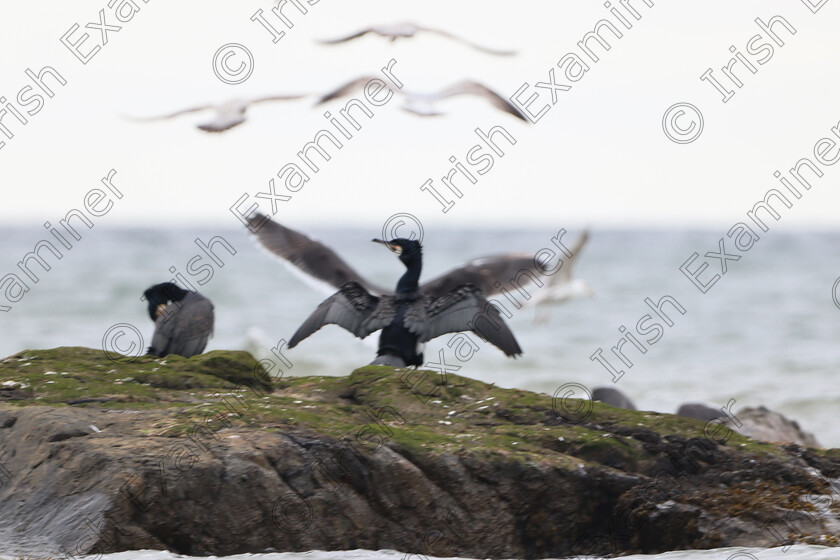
(216, 463)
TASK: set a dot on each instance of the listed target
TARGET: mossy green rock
(67, 374)
(207, 455)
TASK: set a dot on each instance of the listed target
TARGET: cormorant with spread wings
(491, 274)
(410, 317)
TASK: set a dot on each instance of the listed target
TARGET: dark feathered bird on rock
(183, 320)
(410, 317)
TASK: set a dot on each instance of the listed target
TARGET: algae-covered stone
(70, 374)
(153, 452)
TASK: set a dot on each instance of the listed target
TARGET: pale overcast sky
(597, 157)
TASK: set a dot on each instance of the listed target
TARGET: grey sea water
(764, 334)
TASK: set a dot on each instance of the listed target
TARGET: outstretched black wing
(352, 308)
(482, 273)
(503, 269)
(463, 309)
(310, 256)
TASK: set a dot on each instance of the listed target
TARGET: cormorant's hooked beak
(394, 248)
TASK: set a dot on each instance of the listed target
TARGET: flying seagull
(408, 29)
(496, 272)
(491, 274)
(410, 317)
(423, 103)
(183, 320)
(227, 114)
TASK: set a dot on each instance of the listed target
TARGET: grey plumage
(352, 308)
(484, 272)
(461, 309)
(183, 327)
(320, 262)
(310, 256)
(423, 103)
(347, 88)
(426, 316)
(226, 115)
(408, 29)
(388, 360)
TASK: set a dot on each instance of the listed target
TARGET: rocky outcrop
(699, 411)
(768, 425)
(612, 397)
(199, 458)
(755, 422)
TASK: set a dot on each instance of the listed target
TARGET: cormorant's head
(408, 250)
(159, 295)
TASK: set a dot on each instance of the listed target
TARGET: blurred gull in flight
(407, 29)
(423, 103)
(227, 114)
